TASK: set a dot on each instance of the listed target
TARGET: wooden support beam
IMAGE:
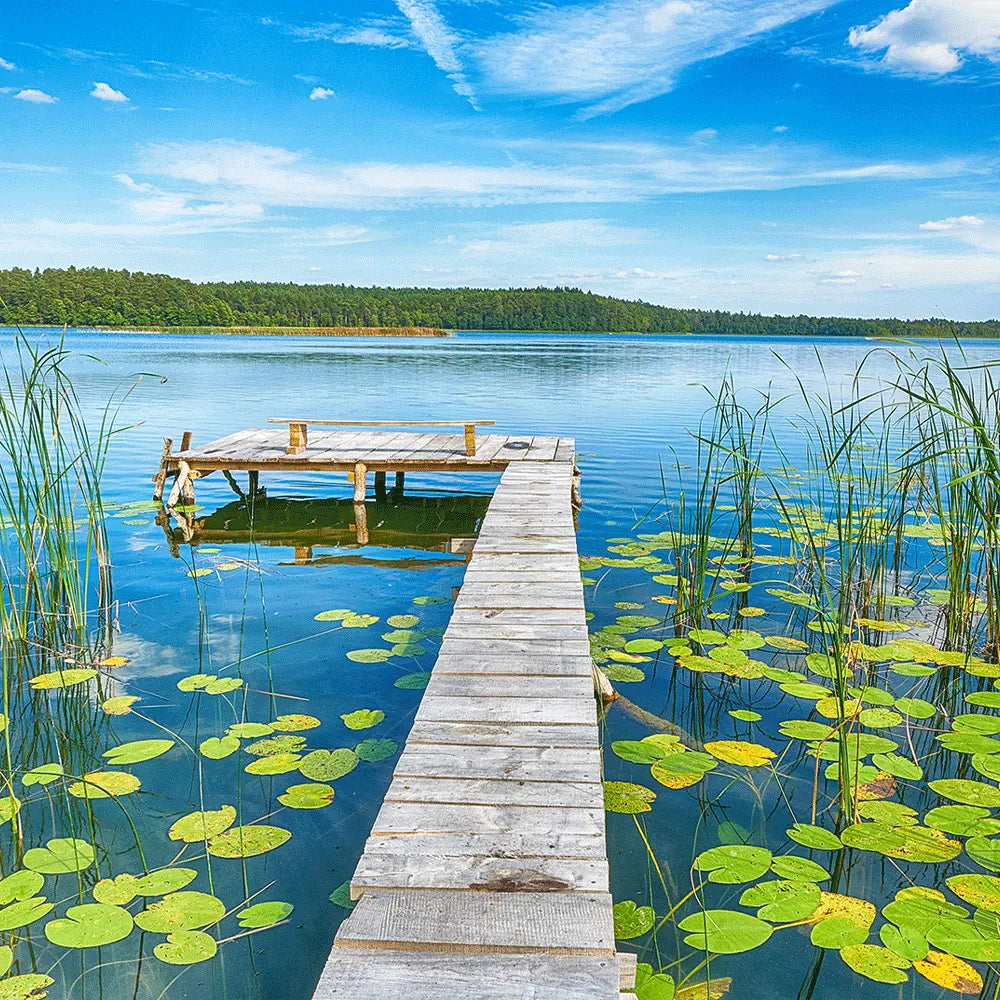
(186, 441)
(470, 439)
(400, 481)
(298, 438)
(380, 487)
(183, 474)
(360, 482)
(160, 478)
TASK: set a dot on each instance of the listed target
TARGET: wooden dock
(486, 872)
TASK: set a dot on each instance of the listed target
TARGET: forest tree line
(101, 297)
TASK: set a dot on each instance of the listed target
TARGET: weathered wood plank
(552, 793)
(473, 873)
(511, 712)
(515, 664)
(511, 845)
(515, 763)
(413, 817)
(481, 734)
(505, 686)
(577, 923)
(541, 618)
(381, 975)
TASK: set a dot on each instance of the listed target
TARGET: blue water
(631, 402)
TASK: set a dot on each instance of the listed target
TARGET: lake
(249, 611)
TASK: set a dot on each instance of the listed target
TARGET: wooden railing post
(470, 439)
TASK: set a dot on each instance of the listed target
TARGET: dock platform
(486, 871)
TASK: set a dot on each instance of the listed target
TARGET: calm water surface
(630, 402)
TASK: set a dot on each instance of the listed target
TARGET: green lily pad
(724, 932)
(640, 752)
(56, 679)
(413, 682)
(119, 891)
(965, 939)
(44, 774)
(814, 837)
(374, 751)
(909, 843)
(984, 851)
(788, 866)
(877, 963)
(181, 911)
(247, 841)
(983, 725)
(279, 763)
(60, 856)
(971, 793)
(90, 925)
(963, 821)
(837, 932)
(311, 796)
(104, 785)
(23, 912)
(249, 730)
(733, 863)
(294, 723)
(980, 891)
(186, 948)
(341, 896)
(921, 908)
(215, 748)
(264, 914)
(627, 797)
(164, 880)
(336, 615)
(272, 745)
(370, 655)
(30, 986)
(223, 685)
(782, 902)
(651, 985)
(915, 708)
(679, 770)
(905, 941)
(402, 621)
(198, 826)
(20, 885)
(632, 921)
(363, 718)
(137, 752)
(898, 766)
(328, 765)
(745, 715)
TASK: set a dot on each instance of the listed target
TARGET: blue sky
(764, 155)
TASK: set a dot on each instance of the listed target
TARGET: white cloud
(704, 135)
(321, 94)
(953, 222)
(372, 33)
(846, 277)
(779, 129)
(618, 52)
(932, 37)
(540, 237)
(105, 92)
(587, 174)
(439, 42)
(128, 181)
(35, 97)
(4, 64)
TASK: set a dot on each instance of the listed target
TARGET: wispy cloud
(321, 94)
(377, 33)
(617, 53)
(932, 37)
(953, 222)
(105, 92)
(35, 97)
(4, 64)
(439, 42)
(589, 174)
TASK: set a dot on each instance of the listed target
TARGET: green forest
(100, 297)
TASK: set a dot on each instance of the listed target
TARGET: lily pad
(186, 948)
(137, 752)
(31, 986)
(724, 932)
(972, 793)
(247, 841)
(627, 797)
(363, 718)
(23, 912)
(632, 921)
(328, 765)
(60, 856)
(215, 748)
(950, 973)
(413, 682)
(740, 752)
(370, 655)
(44, 774)
(294, 723)
(733, 863)
(310, 796)
(119, 705)
(784, 901)
(56, 679)
(104, 785)
(402, 621)
(279, 763)
(837, 932)
(181, 911)
(814, 837)
(264, 914)
(374, 751)
(204, 825)
(20, 885)
(875, 962)
(90, 925)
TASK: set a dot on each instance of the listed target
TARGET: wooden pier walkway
(486, 872)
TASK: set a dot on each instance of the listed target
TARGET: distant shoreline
(279, 331)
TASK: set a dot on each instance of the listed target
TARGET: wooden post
(361, 521)
(380, 487)
(575, 497)
(253, 482)
(161, 474)
(303, 554)
(183, 473)
(186, 441)
(400, 479)
(298, 438)
(470, 439)
(360, 482)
